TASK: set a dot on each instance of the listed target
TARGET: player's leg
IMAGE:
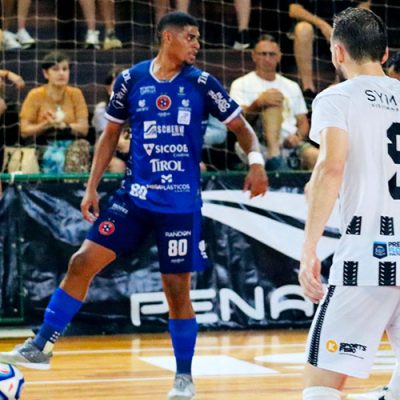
(89, 12)
(119, 229)
(272, 118)
(183, 330)
(181, 251)
(107, 10)
(303, 53)
(392, 390)
(308, 155)
(342, 342)
(65, 302)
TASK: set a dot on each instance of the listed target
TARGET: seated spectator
(276, 105)
(55, 115)
(107, 10)
(311, 14)
(393, 66)
(99, 121)
(22, 39)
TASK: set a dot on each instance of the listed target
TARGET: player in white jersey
(357, 124)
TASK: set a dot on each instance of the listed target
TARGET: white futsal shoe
(183, 388)
(380, 393)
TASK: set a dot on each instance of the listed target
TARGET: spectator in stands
(55, 115)
(99, 122)
(311, 14)
(393, 66)
(22, 39)
(107, 10)
(6, 75)
(276, 106)
(242, 7)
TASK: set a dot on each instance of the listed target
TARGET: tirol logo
(332, 346)
(163, 102)
(106, 228)
(380, 250)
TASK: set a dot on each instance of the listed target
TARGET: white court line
(162, 378)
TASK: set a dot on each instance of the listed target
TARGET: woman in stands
(55, 116)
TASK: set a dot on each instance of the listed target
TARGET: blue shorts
(123, 226)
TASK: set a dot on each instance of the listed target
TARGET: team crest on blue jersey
(106, 228)
(163, 102)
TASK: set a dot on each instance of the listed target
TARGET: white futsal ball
(11, 382)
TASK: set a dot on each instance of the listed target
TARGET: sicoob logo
(163, 102)
(106, 228)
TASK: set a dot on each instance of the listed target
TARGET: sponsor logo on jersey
(380, 250)
(178, 234)
(382, 100)
(351, 348)
(394, 248)
(119, 208)
(118, 97)
(147, 90)
(186, 102)
(203, 78)
(158, 165)
(184, 117)
(221, 102)
(332, 346)
(175, 149)
(106, 228)
(166, 178)
(142, 103)
(148, 147)
(177, 188)
(150, 129)
(181, 91)
(163, 102)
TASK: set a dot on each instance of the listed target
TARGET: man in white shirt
(357, 124)
(276, 104)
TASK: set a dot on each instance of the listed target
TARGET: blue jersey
(168, 121)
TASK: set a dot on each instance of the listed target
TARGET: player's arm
(256, 180)
(103, 154)
(322, 192)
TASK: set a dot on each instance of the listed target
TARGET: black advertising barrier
(253, 247)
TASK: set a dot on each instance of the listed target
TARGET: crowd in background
(55, 120)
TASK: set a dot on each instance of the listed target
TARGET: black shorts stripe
(316, 334)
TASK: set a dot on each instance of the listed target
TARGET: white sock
(321, 393)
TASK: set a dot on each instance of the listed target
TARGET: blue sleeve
(118, 108)
(219, 103)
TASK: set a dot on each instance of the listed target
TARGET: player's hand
(270, 98)
(256, 181)
(90, 206)
(310, 275)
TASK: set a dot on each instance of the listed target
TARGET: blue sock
(183, 334)
(59, 312)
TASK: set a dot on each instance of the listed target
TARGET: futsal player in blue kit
(167, 102)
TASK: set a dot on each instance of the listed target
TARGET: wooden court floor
(250, 365)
